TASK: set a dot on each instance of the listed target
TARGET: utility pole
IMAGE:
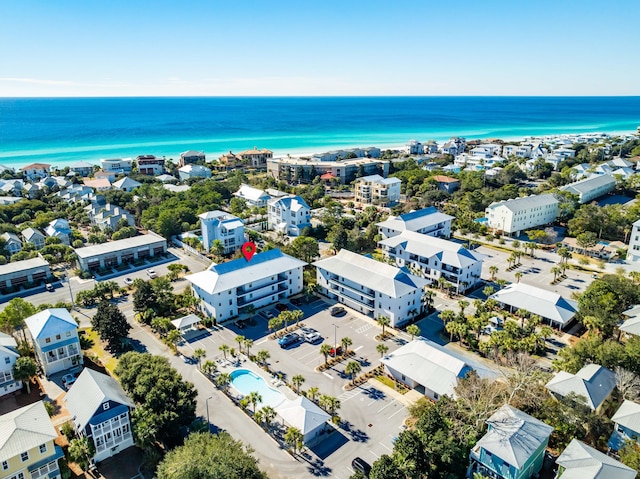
(335, 340)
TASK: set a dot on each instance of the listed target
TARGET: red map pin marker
(248, 250)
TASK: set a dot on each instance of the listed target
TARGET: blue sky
(346, 47)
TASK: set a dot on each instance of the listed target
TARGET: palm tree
(565, 254)
(254, 398)
(258, 416)
(313, 391)
(297, 381)
(413, 330)
(427, 298)
(352, 368)
(296, 316)
(225, 349)
(463, 304)
(329, 403)
(446, 316)
(384, 322)
(247, 344)
(518, 276)
(488, 290)
(223, 380)
(346, 342)
(240, 340)
(325, 350)
(268, 415)
(293, 437)
(199, 354)
(262, 356)
(556, 272)
(209, 367)
(494, 271)
(382, 349)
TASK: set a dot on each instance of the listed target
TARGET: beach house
(222, 226)
(592, 385)
(580, 461)
(633, 252)
(193, 171)
(36, 171)
(8, 355)
(626, 422)
(512, 448)
(59, 229)
(12, 242)
(27, 448)
(256, 158)
(100, 410)
(427, 221)
(446, 183)
(376, 190)
(514, 216)
(254, 197)
(116, 165)
(191, 157)
(591, 188)
(54, 335)
(289, 215)
(227, 290)
(81, 168)
(150, 165)
(126, 184)
(434, 258)
(371, 287)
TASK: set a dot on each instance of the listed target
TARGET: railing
(369, 293)
(45, 470)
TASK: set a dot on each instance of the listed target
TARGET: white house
(520, 151)
(580, 461)
(376, 190)
(254, 197)
(627, 425)
(81, 168)
(100, 409)
(54, 334)
(218, 225)
(633, 253)
(434, 258)
(126, 184)
(414, 147)
(592, 385)
(546, 304)
(516, 215)
(289, 215)
(591, 188)
(117, 165)
(371, 287)
(306, 416)
(150, 165)
(426, 367)
(427, 221)
(59, 229)
(36, 171)
(454, 146)
(8, 356)
(226, 290)
(487, 150)
(193, 171)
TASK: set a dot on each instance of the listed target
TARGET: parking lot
(370, 417)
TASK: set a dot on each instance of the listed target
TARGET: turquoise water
(64, 130)
(246, 382)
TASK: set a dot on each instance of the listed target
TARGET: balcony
(366, 292)
(243, 301)
(244, 290)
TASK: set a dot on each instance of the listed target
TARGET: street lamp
(335, 340)
(207, 406)
(66, 270)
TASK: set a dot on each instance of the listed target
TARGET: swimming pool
(246, 382)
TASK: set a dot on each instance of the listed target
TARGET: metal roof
(90, 390)
(526, 203)
(114, 246)
(593, 383)
(628, 415)
(303, 414)
(415, 220)
(23, 265)
(584, 462)
(24, 429)
(50, 322)
(390, 280)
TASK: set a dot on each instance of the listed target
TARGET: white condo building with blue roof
(226, 290)
(54, 334)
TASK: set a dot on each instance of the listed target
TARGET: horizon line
(313, 96)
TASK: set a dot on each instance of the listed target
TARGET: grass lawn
(97, 350)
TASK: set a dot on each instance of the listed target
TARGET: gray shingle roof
(593, 383)
(513, 435)
(390, 280)
(24, 429)
(90, 390)
(584, 462)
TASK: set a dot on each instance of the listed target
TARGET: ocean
(60, 131)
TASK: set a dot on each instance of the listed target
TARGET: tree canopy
(111, 325)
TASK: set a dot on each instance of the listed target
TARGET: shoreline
(83, 153)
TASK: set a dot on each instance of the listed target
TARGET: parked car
(281, 307)
(337, 311)
(48, 287)
(68, 380)
(128, 281)
(312, 337)
(296, 301)
(267, 314)
(152, 274)
(288, 339)
(361, 465)
(333, 351)
(240, 324)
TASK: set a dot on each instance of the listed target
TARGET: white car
(152, 274)
(128, 281)
(312, 337)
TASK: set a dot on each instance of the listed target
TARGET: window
(7, 360)
(5, 465)
(57, 337)
(68, 334)
(105, 406)
(43, 448)
(24, 456)
(47, 340)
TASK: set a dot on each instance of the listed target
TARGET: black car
(337, 311)
(361, 465)
(282, 307)
(296, 301)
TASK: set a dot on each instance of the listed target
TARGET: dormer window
(105, 406)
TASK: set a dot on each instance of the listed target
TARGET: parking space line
(398, 411)
(307, 355)
(386, 447)
(358, 349)
(262, 341)
(327, 374)
(385, 407)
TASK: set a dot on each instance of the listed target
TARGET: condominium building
(227, 290)
(371, 287)
(376, 190)
(124, 251)
(304, 170)
(27, 448)
(101, 410)
(427, 221)
(222, 226)
(633, 253)
(289, 215)
(256, 158)
(8, 355)
(516, 215)
(591, 188)
(434, 258)
(54, 334)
